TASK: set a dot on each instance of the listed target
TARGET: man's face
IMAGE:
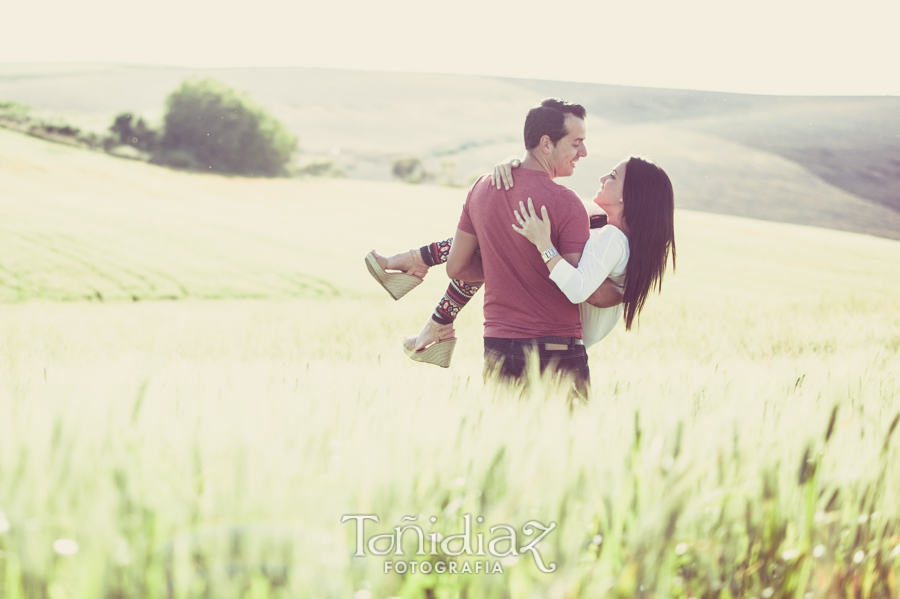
(569, 149)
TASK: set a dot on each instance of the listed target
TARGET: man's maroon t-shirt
(520, 301)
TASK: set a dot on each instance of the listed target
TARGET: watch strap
(549, 254)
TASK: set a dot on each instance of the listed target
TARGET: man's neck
(537, 163)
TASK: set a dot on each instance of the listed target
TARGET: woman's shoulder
(609, 244)
(610, 233)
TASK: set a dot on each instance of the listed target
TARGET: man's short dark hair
(549, 119)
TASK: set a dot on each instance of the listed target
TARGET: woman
(636, 241)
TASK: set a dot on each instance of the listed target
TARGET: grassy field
(737, 445)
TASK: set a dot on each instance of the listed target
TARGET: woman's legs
(458, 294)
(437, 252)
(455, 299)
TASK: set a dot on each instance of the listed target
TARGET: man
(524, 311)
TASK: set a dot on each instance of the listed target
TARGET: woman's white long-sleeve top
(605, 256)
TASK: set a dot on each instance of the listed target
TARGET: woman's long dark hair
(649, 215)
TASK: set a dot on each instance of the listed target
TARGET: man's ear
(546, 144)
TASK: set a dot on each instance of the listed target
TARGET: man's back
(520, 300)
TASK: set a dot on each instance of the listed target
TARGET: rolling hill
(79, 225)
(827, 162)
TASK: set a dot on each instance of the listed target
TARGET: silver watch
(549, 254)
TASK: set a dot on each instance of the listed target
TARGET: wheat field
(199, 380)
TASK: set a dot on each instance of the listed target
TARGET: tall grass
(200, 449)
(739, 443)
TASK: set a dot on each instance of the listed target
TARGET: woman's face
(609, 196)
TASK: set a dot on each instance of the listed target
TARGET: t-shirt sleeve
(604, 253)
(573, 224)
(465, 219)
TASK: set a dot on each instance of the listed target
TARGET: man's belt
(554, 343)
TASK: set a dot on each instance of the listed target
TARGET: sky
(791, 47)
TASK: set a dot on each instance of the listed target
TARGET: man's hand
(463, 263)
(607, 295)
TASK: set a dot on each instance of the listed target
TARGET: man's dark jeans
(506, 359)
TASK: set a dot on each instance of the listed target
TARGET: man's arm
(463, 263)
(607, 295)
(574, 258)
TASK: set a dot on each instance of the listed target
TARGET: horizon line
(163, 65)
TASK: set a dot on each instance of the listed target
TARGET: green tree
(211, 126)
(129, 132)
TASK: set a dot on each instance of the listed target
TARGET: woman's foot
(431, 333)
(409, 262)
(434, 345)
(397, 284)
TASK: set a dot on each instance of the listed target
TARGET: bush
(321, 168)
(12, 112)
(63, 129)
(91, 140)
(410, 170)
(223, 131)
(137, 134)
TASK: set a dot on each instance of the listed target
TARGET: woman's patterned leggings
(458, 292)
